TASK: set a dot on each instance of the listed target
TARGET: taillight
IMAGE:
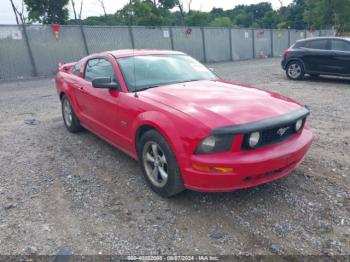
(286, 53)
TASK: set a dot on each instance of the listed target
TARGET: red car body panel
(185, 114)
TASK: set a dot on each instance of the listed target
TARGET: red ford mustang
(187, 127)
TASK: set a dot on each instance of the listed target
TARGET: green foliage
(101, 20)
(300, 14)
(138, 12)
(197, 18)
(256, 15)
(47, 11)
(292, 16)
(320, 13)
(217, 12)
(167, 4)
(222, 22)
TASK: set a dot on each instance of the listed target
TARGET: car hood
(218, 103)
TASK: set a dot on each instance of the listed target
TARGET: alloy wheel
(294, 71)
(67, 112)
(155, 164)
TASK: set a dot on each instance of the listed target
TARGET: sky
(93, 8)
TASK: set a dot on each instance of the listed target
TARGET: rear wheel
(69, 118)
(159, 165)
(295, 70)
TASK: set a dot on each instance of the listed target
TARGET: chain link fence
(34, 50)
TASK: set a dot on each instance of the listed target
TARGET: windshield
(143, 72)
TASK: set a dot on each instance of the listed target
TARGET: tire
(295, 70)
(69, 118)
(159, 165)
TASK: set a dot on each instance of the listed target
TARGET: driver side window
(99, 67)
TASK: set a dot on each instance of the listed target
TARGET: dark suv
(317, 56)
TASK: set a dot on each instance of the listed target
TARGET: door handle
(81, 89)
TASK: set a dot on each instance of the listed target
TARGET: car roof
(140, 52)
(324, 37)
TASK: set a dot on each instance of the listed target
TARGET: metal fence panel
(14, 57)
(49, 51)
(155, 37)
(280, 42)
(75, 42)
(327, 32)
(296, 35)
(312, 34)
(262, 43)
(189, 41)
(217, 44)
(106, 38)
(242, 44)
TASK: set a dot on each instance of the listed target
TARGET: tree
(321, 13)
(18, 12)
(300, 14)
(76, 14)
(47, 11)
(197, 18)
(222, 22)
(168, 4)
(217, 12)
(252, 15)
(292, 16)
(102, 4)
(110, 19)
(180, 4)
(270, 20)
(138, 12)
(342, 15)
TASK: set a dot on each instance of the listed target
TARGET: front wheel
(159, 165)
(295, 70)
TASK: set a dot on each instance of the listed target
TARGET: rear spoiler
(65, 67)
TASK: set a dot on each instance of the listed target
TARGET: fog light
(298, 125)
(254, 139)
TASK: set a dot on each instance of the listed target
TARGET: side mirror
(104, 82)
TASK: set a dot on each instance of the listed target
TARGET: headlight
(215, 144)
(298, 125)
(254, 139)
(208, 144)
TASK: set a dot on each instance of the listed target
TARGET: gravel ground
(76, 192)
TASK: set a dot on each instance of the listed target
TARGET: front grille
(272, 136)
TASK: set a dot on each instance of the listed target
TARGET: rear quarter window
(298, 44)
(317, 44)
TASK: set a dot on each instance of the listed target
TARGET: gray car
(317, 56)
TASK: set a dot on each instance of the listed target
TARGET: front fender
(166, 127)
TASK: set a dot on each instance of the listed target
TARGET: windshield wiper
(191, 80)
(145, 88)
(153, 86)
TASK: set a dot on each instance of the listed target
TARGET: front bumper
(250, 168)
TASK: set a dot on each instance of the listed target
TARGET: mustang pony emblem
(282, 131)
